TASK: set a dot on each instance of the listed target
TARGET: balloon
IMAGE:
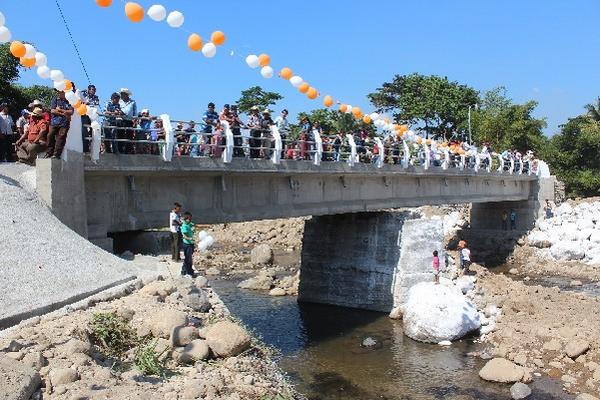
(374, 116)
(367, 119)
(5, 34)
(349, 109)
(40, 59)
(76, 105)
(27, 62)
(303, 88)
(327, 101)
(134, 12)
(264, 60)
(157, 13)
(68, 84)
(203, 245)
(428, 142)
(17, 49)
(43, 72)
(104, 3)
(209, 50)
(356, 111)
(210, 240)
(59, 85)
(57, 75)
(296, 81)
(93, 113)
(218, 38)
(267, 72)
(82, 109)
(195, 42)
(71, 97)
(175, 19)
(29, 51)
(95, 124)
(252, 61)
(312, 93)
(343, 108)
(202, 235)
(286, 73)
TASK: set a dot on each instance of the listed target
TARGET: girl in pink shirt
(436, 267)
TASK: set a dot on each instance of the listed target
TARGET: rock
(127, 255)
(513, 271)
(62, 376)
(520, 359)
(368, 342)
(520, 391)
(213, 271)
(34, 360)
(201, 282)
(75, 346)
(197, 350)
(491, 310)
(262, 255)
(13, 346)
(576, 348)
(576, 283)
(465, 283)
(585, 396)
(445, 343)
(226, 339)
(567, 251)
(161, 289)
(277, 292)
(539, 239)
(552, 345)
(396, 313)
(434, 313)
(567, 332)
(197, 300)
(501, 370)
(17, 381)
(183, 335)
(262, 281)
(162, 323)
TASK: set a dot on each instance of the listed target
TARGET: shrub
(148, 361)
(112, 334)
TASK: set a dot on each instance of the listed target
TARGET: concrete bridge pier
(367, 260)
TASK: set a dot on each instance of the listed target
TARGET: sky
(543, 50)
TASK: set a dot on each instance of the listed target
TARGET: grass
(148, 361)
(112, 334)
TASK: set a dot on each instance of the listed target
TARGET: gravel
(44, 264)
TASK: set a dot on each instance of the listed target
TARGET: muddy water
(320, 349)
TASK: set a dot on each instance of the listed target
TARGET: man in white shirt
(129, 109)
(175, 228)
(6, 133)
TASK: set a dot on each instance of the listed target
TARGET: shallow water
(320, 349)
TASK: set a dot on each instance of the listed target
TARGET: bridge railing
(156, 136)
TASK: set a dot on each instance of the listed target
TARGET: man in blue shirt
(61, 112)
(129, 109)
(210, 120)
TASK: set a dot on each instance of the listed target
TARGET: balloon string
(74, 44)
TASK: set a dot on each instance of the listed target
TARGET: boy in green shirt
(187, 232)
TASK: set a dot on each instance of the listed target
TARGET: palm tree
(593, 111)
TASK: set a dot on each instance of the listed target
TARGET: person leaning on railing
(112, 121)
(129, 110)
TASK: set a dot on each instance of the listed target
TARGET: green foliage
(112, 334)
(256, 96)
(148, 361)
(9, 68)
(438, 106)
(333, 121)
(593, 110)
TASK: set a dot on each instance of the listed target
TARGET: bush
(148, 361)
(112, 334)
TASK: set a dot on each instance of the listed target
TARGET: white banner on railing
(353, 154)
(276, 156)
(406, 158)
(168, 147)
(381, 153)
(228, 150)
(427, 155)
(96, 140)
(446, 163)
(318, 147)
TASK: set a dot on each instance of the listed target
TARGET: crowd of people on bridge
(42, 130)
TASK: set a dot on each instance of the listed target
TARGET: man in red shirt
(34, 140)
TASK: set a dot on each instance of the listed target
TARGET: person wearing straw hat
(129, 109)
(34, 140)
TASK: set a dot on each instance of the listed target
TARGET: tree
(437, 106)
(332, 122)
(256, 96)
(593, 110)
(9, 69)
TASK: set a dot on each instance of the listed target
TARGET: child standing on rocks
(436, 267)
(465, 256)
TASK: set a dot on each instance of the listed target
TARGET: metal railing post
(169, 146)
(276, 156)
(318, 147)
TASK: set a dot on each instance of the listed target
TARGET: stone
(62, 376)
(262, 255)
(277, 292)
(539, 239)
(520, 359)
(491, 310)
(162, 323)
(227, 339)
(34, 360)
(368, 342)
(262, 281)
(576, 283)
(160, 289)
(501, 370)
(567, 251)
(197, 350)
(520, 391)
(197, 300)
(513, 271)
(552, 345)
(567, 332)
(585, 396)
(434, 313)
(183, 335)
(576, 348)
(596, 375)
(396, 313)
(445, 343)
(13, 346)
(18, 381)
(212, 271)
(465, 283)
(75, 346)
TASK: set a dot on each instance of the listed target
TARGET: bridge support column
(366, 260)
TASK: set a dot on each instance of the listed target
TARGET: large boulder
(435, 313)
(162, 323)
(196, 350)
(17, 381)
(501, 370)
(262, 281)
(226, 338)
(160, 289)
(567, 251)
(577, 347)
(62, 376)
(539, 239)
(197, 300)
(262, 254)
(183, 335)
(520, 391)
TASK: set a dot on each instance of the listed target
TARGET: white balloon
(209, 50)
(175, 19)
(267, 72)
(349, 109)
(60, 85)
(57, 75)
(296, 81)
(202, 235)
(157, 12)
(374, 116)
(5, 34)
(95, 124)
(203, 245)
(40, 59)
(252, 61)
(71, 97)
(93, 113)
(210, 241)
(2, 19)
(29, 51)
(43, 72)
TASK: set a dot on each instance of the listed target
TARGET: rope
(74, 44)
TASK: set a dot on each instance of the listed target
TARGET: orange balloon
(134, 12)
(77, 105)
(104, 3)
(343, 108)
(304, 87)
(17, 49)
(367, 119)
(404, 128)
(195, 42)
(27, 62)
(419, 140)
(264, 60)
(286, 73)
(428, 142)
(357, 112)
(82, 109)
(358, 115)
(218, 38)
(68, 85)
(327, 101)
(312, 93)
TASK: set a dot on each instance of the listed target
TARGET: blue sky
(546, 50)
